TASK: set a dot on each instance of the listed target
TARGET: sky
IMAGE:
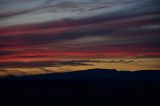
(47, 36)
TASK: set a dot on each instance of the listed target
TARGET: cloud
(113, 61)
(68, 29)
(41, 64)
(149, 56)
(4, 53)
(29, 12)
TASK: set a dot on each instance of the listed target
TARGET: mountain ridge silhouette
(94, 74)
(112, 86)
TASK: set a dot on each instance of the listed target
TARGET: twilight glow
(47, 36)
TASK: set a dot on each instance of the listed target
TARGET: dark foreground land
(89, 87)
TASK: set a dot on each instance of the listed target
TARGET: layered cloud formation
(65, 30)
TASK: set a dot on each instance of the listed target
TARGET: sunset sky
(47, 36)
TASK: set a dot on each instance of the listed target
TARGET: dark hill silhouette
(103, 85)
(96, 74)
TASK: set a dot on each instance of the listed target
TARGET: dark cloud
(149, 56)
(130, 31)
(3, 53)
(114, 61)
(40, 64)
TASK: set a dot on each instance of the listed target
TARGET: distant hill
(95, 74)
(104, 86)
